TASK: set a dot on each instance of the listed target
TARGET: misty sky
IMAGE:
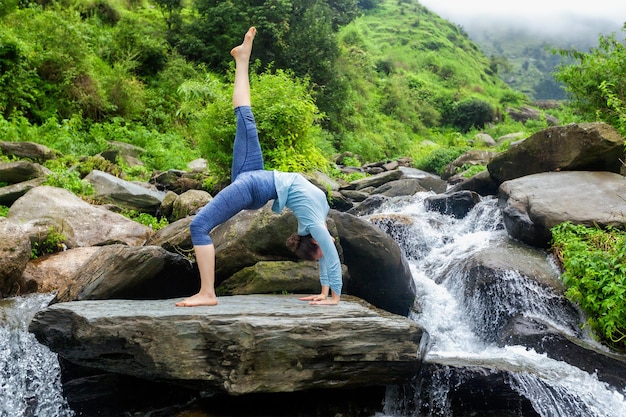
(465, 12)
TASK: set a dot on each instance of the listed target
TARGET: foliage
(596, 81)
(438, 159)
(286, 116)
(51, 242)
(4, 211)
(471, 113)
(594, 262)
(146, 219)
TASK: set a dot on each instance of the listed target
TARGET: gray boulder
(274, 277)
(10, 193)
(374, 180)
(378, 271)
(83, 224)
(111, 189)
(246, 344)
(14, 256)
(575, 147)
(53, 272)
(189, 203)
(19, 171)
(457, 204)
(120, 271)
(532, 205)
(29, 150)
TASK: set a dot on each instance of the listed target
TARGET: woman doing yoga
(251, 188)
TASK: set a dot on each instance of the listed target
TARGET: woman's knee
(199, 231)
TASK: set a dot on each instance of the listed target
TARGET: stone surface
(83, 224)
(246, 344)
(533, 204)
(575, 147)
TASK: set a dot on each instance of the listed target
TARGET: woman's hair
(304, 247)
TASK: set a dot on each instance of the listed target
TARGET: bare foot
(198, 300)
(244, 50)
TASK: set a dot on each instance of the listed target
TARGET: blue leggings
(250, 188)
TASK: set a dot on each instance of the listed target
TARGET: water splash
(462, 325)
(30, 382)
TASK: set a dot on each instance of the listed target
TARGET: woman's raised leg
(249, 159)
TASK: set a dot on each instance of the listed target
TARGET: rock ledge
(246, 344)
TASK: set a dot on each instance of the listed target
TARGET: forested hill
(376, 77)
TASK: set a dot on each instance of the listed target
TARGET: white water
(29, 372)
(436, 246)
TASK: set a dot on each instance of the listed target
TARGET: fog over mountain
(524, 33)
(551, 18)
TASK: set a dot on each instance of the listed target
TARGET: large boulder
(575, 147)
(532, 205)
(378, 271)
(10, 193)
(29, 150)
(14, 256)
(120, 271)
(252, 236)
(82, 224)
(246, 344)
(52, 273)
(19, 171)
(111, 189)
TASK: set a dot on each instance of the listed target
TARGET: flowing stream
(461, 332)
(30, 375)
(461, 328)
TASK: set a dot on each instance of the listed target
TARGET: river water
(460, 331)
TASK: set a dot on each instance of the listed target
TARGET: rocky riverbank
(539, 182)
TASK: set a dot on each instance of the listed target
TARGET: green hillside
(381, 78)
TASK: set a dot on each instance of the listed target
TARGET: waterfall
(462, 328)
(30, 382)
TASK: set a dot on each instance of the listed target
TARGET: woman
(251, 188)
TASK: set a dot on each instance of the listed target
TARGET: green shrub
(438, 158)
(4, 211)
(51, 242)
(146, 219)
(594, 272)
(469, 114)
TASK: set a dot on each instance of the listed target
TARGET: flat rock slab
(246, 344)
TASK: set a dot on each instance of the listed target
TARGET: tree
(596, 81)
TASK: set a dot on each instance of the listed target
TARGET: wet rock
(532, 205)
(245, 344)
(575, 147)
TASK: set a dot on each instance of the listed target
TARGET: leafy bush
(4, 211)
(594, 264)
(51, 242)
(471, 113)
(146, 219)
(595, 82)
(437, 160)
(286, 116)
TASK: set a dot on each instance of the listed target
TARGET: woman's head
(304, 247)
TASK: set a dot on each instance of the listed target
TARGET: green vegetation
(596, 81)
(146, 219)
(4, 211)
(594, 262)
(379, 79)
(51, 242)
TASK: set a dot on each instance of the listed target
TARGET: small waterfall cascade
(462, 325)
(30, 382)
